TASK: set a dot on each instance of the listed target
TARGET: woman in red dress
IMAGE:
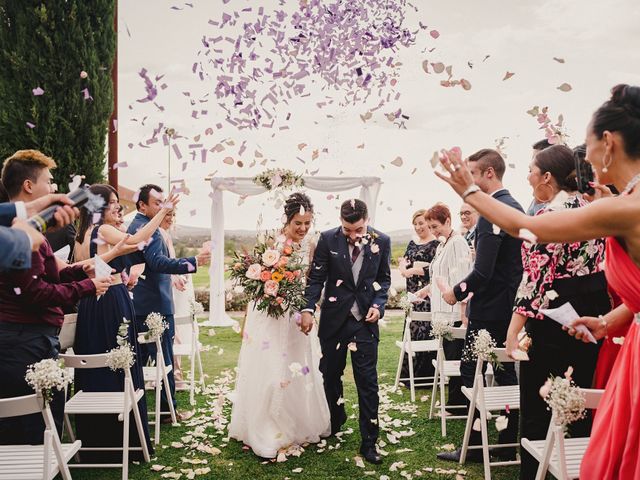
(613, 149)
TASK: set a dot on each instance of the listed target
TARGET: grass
(234, 463)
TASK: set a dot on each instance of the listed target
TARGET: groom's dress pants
(364, 362)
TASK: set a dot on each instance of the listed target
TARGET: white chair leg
(434, 389)
(167, 391)
(485, 441)
(72, 437)
(46, 456)
(412, 381)
(399, 370)
(138, 420)
(199, 359)
(443, 411)
(125, 438)
(192, 386)
(158, 390)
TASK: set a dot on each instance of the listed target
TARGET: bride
(279, 398)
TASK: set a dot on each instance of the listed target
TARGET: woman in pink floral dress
(554, 274)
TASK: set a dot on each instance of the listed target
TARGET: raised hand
(459, 175)
(171, 202)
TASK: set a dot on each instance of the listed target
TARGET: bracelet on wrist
(605, 324)
(472, 189)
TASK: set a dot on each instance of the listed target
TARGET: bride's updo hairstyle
(294, 204)
(621, 113)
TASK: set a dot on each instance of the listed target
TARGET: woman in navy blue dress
(97, 328)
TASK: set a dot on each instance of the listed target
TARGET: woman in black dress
(417, 276)
(97, 328)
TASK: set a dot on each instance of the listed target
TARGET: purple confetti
(305, 370)
(152, 91)
(37, 92)
(86, 94)
(31, 125)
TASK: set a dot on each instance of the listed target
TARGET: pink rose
(271, 287)
(254, 271)
(266, 275)
(270, 257)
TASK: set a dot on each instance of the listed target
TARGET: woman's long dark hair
(86, 217)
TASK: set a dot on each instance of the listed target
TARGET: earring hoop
(545, 199)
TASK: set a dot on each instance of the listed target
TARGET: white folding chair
(487, 400)
(444, 370)
(68, 331)
(35, 462)
(190, 349)
(410, 347)
(560, 456)
(118, 403)
(157, 375)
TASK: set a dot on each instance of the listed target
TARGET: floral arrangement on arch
(564, 399)
(46, 376)
(272, 275)
(279, 178)
(122, 357)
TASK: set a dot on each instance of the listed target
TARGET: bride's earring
(606, 164)
(543, 199)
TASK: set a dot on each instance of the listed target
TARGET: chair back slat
(458, 332)
(85, 361)
(24, 405)
(68, 331)
(592, 397)
(450, 316)
(183, 320)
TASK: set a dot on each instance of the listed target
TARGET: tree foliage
(47, 45)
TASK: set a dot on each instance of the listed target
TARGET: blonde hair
(419, 213)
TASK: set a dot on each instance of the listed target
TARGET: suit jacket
(7, 213)
(153, 293)
(331, 263)
(15, 248)
(496, 273)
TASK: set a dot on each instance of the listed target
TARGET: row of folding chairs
(53, 457)
(556, 455)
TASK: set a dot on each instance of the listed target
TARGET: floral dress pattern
(545, 262)
(422, 366)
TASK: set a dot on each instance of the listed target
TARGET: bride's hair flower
(270, 257)
(271, 287)
(254, 271)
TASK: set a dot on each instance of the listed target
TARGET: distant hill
(188, 234)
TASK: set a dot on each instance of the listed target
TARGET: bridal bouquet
(564, 398)
(272, 275)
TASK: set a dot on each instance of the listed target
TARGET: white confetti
(501, 423)
(496, 229)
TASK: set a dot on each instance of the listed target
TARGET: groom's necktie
(354, 254)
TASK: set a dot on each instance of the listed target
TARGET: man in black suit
(494, 281)
(352, 263)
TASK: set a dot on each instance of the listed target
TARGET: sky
(597, 41)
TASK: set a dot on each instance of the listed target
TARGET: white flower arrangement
(404, 303)
(441, 328)
(47, 375)
(481, 347)
(156, 324)
(564, 399)
(278, 178)
(120, 358)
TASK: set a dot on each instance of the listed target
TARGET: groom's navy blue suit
(332, 269)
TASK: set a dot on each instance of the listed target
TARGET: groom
(352, 263)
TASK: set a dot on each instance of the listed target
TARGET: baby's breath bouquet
(47, 375)
(156, 325)
(441, 327)
(564, 399)
(481, 346)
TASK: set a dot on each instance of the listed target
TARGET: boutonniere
(369, 239)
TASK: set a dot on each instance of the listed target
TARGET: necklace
(632, 183)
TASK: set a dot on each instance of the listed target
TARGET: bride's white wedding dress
(279, 397)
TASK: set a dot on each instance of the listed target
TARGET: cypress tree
(48, 45)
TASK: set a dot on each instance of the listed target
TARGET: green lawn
(416, 451)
